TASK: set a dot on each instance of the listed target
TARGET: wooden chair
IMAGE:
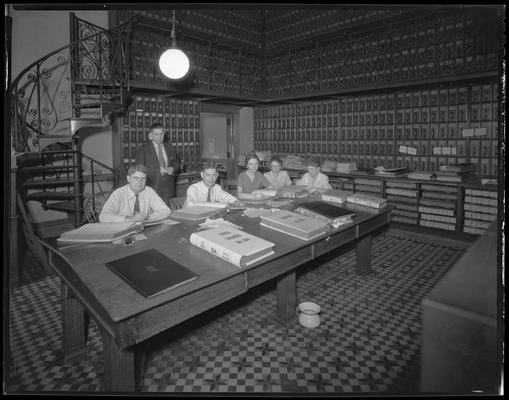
(177, 203)
(92, 207)
(230, 185)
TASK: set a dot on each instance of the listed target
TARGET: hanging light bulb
(174, 63)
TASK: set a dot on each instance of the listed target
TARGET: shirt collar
(131, 194)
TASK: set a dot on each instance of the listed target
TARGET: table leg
(364, 255)
(286, 298)
(73, 326)
(119, 366)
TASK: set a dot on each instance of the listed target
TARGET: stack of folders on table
(294, 224)
(294, 162)
(197, 213)
(329, 166)
(336, 196)
(455, 172)
(292, 192)
(392, 172)
(151, 272)
(346, 168)
(423, 175)
(326, 212)
(233, 245)
(367, 200)
(101, 232)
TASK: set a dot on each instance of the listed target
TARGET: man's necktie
(136, 205)
(208, 196)
(160, 155)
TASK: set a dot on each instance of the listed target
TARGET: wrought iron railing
(48, 93)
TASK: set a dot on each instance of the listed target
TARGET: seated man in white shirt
(135, 201)
(207, 191)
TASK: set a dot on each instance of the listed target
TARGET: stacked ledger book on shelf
(392, 172)
(481, 209)
(455, 172)
(422, 175)
(151, 273)
(326, 212)
(336, 195)
(367, 200)
(233, 245)
(101, 232)
(294, 224)
(198, 213)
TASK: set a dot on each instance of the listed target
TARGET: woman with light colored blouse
(314, 180)
(251, 180)
(275, 176)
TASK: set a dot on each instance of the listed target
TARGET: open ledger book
(233, 245)
(101, 232)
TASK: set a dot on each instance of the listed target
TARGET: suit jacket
(146, 155)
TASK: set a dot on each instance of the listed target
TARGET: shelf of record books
(453, 198)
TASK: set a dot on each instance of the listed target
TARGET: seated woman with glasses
(276, 176)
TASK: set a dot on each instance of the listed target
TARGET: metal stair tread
(62, 206)
(45, 168)
(47, 182)
(47, 195)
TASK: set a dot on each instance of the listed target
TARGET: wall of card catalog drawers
(418, 129)
(180, 119)
(422, 44)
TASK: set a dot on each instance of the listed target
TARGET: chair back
(92, 206)
(177, 203)
(229, 184)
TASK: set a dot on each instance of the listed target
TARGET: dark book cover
(327, 210)
(151, 272)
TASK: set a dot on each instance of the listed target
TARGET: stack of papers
(101, 232)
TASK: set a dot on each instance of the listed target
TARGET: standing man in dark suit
(161, 161)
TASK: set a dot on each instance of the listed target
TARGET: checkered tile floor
(368, 340)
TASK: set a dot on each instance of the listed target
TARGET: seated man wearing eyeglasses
(135, 201)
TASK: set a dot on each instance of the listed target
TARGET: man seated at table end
(207, 190)
(135, 201)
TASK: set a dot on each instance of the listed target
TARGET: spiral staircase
(84, 84)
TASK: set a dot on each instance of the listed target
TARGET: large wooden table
(126, 318)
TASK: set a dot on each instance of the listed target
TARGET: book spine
(332, 199)
(364, 202)
(309, 213)
(217, 250)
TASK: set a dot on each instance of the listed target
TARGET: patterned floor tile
(368, 340)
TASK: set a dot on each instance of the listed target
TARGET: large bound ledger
(195, 213)
(233, 245)
(332, 213)
(101, 232)
(293, 224)
(151, 272)
(367, 200)
(336, 196)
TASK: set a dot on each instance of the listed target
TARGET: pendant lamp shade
(174, 63)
